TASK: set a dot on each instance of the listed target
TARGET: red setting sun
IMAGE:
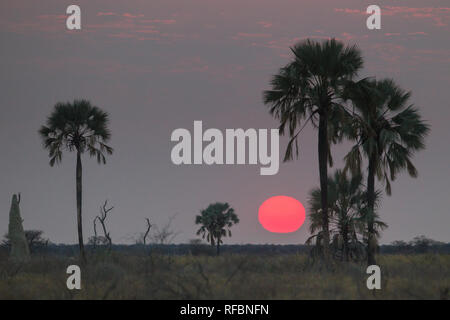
(281, 214)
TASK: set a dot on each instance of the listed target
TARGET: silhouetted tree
(77, 127)
(347, 205)
(309, 87)
(387, 130)
(216, 221)
(104, 210)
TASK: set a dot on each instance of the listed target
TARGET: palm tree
(388, 131)
(347, 213)
(343, 197)
(78, 127)
(216, 221)
(308, 89)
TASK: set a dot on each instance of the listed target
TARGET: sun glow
(281, 214)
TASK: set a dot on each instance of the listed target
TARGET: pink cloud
(133, 26)
(106, 14)
(265, 24)
(116, 25)
(147, 31)
(433, 55)
(129, 15)
(422, 15)
(440, 22)
(440, 16)
(388, 52)
(347, 10)
(47, 23)
(392, 54)
(53, 16)
(161, 21)
(285, 43)
(348, 36)
(122, 35)
(241, 35)
(391, 10)
(89, 65)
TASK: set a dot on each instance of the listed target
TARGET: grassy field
(231, 276)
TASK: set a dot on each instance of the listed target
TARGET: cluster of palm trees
(319, 86)
(347, 204)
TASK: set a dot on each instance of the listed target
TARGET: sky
(156, 66)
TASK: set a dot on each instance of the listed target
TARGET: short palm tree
(77, 127)
(216, 221)
(388, 131)
(308, 89)
(347, 214)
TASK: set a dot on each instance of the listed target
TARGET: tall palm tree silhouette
(308, 89)
(77, 127)
(388, 131)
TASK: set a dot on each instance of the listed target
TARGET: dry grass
(124, 276)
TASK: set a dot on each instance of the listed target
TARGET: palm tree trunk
(323, 173)
(79, 198)
(345, 242)
(370, 204)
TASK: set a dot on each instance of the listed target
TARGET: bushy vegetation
(145, 275)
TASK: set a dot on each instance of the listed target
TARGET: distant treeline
(269, 249)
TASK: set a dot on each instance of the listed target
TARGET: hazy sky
(159, 65)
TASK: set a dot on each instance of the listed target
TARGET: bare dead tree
(149, 225)
(102, 218)
(166, 234)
